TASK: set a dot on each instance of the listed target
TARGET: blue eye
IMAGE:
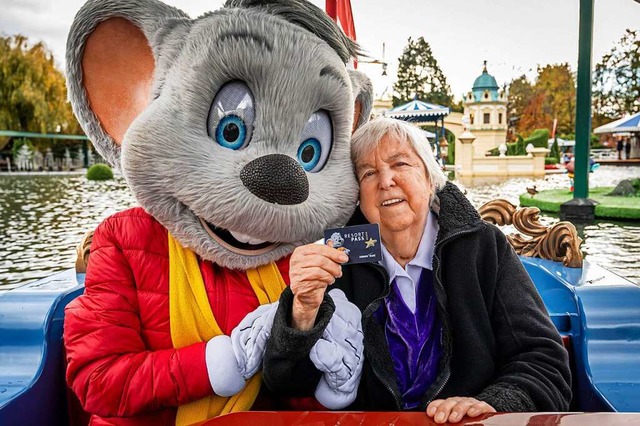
(231, 132)
(317, 140)
(230, 121)
(309, 154)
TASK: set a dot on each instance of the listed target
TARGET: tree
(558, 84)
(535, 106)
(534, 116)
(33, 95)
(420, 76)
(616, 86)
(519, 96)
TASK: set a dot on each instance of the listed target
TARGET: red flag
(340, 11)
(332, 9)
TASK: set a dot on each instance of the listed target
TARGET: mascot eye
(231, 116)
(231, 132)
(317, 138)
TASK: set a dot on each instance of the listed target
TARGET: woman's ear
(111, 66)
(363, 95)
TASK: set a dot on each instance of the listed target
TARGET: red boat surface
(317, 418)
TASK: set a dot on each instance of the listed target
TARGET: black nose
(276, 178)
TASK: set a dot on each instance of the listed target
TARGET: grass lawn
(610, 207)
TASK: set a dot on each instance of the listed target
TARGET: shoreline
(608, 207)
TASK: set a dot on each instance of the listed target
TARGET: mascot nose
(276, 178)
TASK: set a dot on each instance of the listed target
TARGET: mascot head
(232, 129)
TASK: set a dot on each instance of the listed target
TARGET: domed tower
(486, 107)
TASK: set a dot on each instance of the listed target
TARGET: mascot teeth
(238, 242)
(246, 238)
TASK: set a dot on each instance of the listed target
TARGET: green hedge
(539, 138)
(99, 172)
(608, 207)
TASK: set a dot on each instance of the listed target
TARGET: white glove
(233, 360)
(339, 354)
(249, 338)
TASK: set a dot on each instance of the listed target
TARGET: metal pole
(440, 137)
(581, 208)
(85, 151)
(437, 144)
(583, 102)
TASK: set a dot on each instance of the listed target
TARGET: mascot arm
(110, 368)
(233, 360)
(339, 354)
(325, 362)
(287, 369)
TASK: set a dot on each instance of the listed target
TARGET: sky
(514, 36)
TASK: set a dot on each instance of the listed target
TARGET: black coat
(499, 343)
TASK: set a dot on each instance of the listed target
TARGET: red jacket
(120, 360)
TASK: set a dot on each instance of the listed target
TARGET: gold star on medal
(370, 243)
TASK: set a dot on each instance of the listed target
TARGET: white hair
(368, 137)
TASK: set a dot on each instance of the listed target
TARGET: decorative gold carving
(559, 242)
(82, 251)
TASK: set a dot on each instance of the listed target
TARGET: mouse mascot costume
(232, 131)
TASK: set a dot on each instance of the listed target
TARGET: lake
(43, 218)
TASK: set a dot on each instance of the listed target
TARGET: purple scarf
(413, 339)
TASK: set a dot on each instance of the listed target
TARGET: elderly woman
(452, 322)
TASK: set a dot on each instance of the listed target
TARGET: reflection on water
(612, 244)
(42, 219)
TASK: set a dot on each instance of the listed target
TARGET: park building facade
(485, 106)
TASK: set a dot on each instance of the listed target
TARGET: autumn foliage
(552, 96)
(33, 96)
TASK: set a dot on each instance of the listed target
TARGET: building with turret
(485, 106)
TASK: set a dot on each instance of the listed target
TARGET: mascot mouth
(237, 242)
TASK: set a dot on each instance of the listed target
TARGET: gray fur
(151, 16)
(309, 17)
(363, 87)
(178, 173)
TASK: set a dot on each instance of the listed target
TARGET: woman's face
(394, 187)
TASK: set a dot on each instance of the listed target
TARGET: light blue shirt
(407, 279)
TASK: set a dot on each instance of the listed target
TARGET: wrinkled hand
(311, 269)
(455, 408)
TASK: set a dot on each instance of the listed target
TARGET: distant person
(627, 149)
(619, 149)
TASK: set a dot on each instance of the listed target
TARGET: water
(43, 218)
(614, 245)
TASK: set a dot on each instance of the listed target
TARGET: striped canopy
(418, 111)
(625, 124)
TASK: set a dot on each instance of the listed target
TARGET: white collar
(424, 255)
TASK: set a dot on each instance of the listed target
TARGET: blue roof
(485, 82)
(633, 121)
(623, 125)
(417, 111)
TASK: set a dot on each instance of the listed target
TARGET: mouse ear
(112, 57)
(363, 95)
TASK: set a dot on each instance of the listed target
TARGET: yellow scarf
(192, 321)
